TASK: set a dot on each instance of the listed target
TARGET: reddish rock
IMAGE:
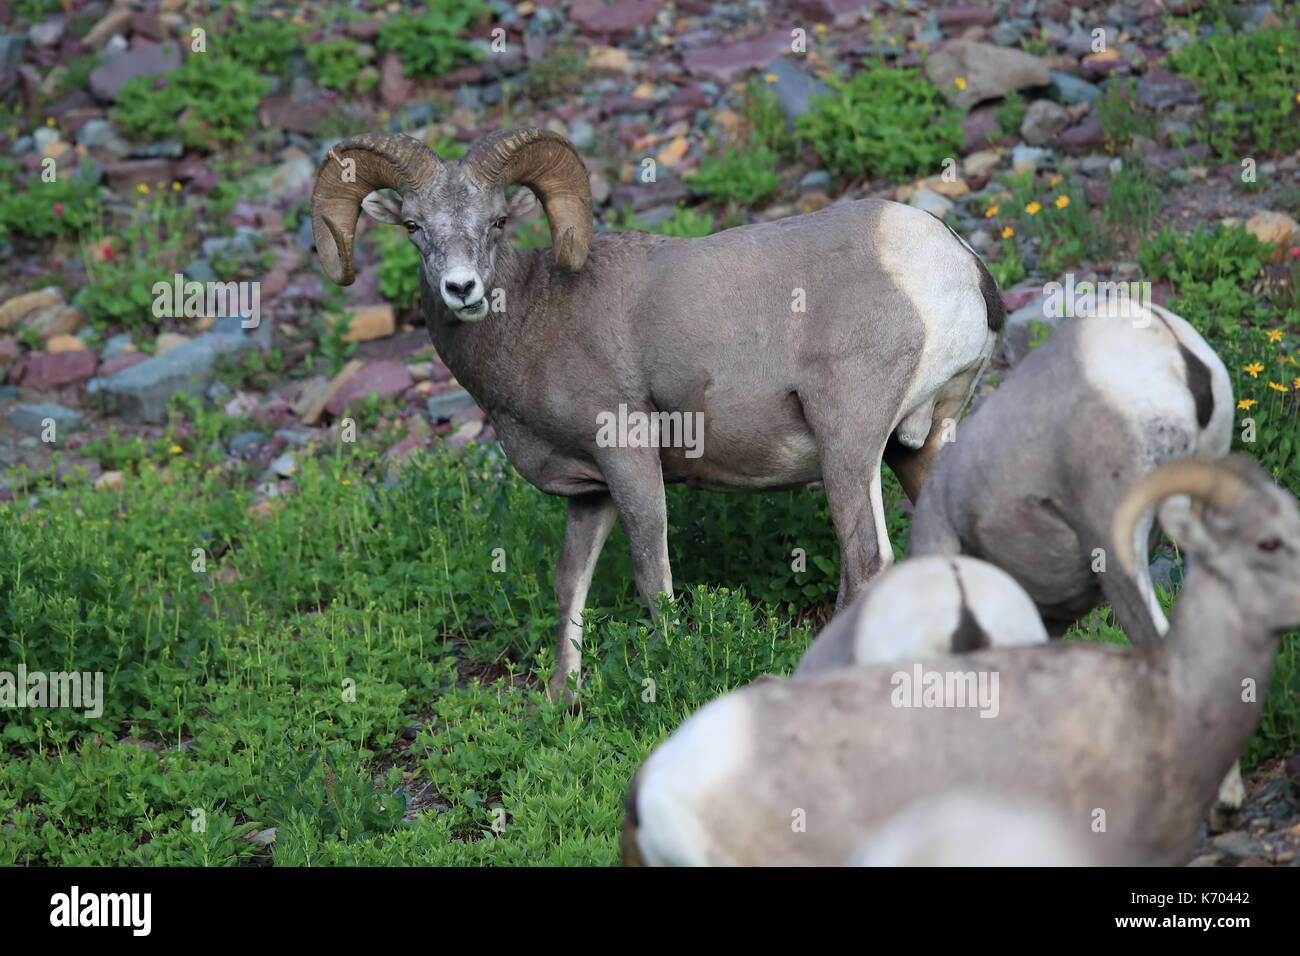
(294, 115)
(841, 13)
(979, 129)
(614, 105)
(959, 18)
(381, 378)
(120, 361)
(46, 371)
(1083, 138)
(276, 412)
(1160, 89)
(394, 87)
(125, 176)
(722, 64)
(364, 29)
(598, 18)
(1097, 193)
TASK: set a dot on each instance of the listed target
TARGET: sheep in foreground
(1127, 745)
(923, 608)
(1036, 471)
(801, 347)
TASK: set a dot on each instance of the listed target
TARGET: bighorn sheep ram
(923, 608)
(803, 346)
(1134, 740)
(1036, 471)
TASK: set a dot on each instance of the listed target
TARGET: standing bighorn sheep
(1037, 470)
(923, 608)
(803, 345)
(1127, 745)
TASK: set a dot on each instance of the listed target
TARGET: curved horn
(1213, 482)
(550, 166)
(377, 161)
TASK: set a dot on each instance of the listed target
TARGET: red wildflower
(58, 209)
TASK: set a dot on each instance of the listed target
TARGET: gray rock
(817, 181)
(247, 443)
(22, 146)
(101, 134)
(48, 33)
(1043, 121)
(286, 466)
(44, 136)
(140, 393)
(150, 60)
(1034, 156)
(1023, 328)
(1095, 164)
(931, 202)
(296, 439)
(1166, 572)
(200, 270)
(987, 71)
(30, 419)
(163, 149)
(448, 403)
(1071, 90)
(794, 89)
(11, 49)
(1236, 843)
(582, 135)
(114, 346)
(1009, 32)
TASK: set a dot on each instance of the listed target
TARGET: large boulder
(984, 71)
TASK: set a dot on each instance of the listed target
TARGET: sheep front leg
(587, 525)
(636, 481)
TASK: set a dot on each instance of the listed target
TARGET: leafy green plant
(1008, 267)
(683, 222)
(264, 43)
(1011, 113)
(1212, 271)
(533, 233)
(399, 268)
(64, 207)
(123, 262)
(1134, 200)
(767, 121)
(432, 43)
(1257, 76)
(560, 70)
(337, 66)
(742, 175)
(206, 101)
(881, 122)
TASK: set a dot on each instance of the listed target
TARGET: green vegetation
(1257, 76)
(264, 43)
(743, 175)
(337, 67)
(882, 123)
(1011, 113)
(207, 101)
(399, 267)
(40, 209)
(432, 44)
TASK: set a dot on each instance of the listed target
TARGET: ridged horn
(1219, 483)
(378, 161)
(550, 166)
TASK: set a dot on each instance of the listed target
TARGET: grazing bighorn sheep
(926, 607)
(803, 345)
(1136, 739)
(1036, 471)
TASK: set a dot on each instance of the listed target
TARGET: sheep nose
(461, 290)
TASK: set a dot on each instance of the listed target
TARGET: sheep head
(455, 211)
(1233, 520)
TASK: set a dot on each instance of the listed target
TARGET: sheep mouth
(473, 312)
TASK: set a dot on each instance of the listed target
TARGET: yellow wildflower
(1245, 403)
(1007, 232)
(175, 449)
(990, 212)
(771, 77)
(821, 28)
(1062, 201)
(1275, 335)
(1033, 208)
(1296, 384)
(1278, 388)
(1253, 369)
(176, 187)
(142, 189)
(960, 83)
(1055, 180)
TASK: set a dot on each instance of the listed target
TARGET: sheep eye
(499, 223)
(411, 225)
(1270, 544)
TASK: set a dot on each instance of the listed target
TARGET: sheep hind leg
(858, 512)
(589, 521)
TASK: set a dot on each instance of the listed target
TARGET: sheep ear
(383, 206)
(1185, 521)
(521, 202)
